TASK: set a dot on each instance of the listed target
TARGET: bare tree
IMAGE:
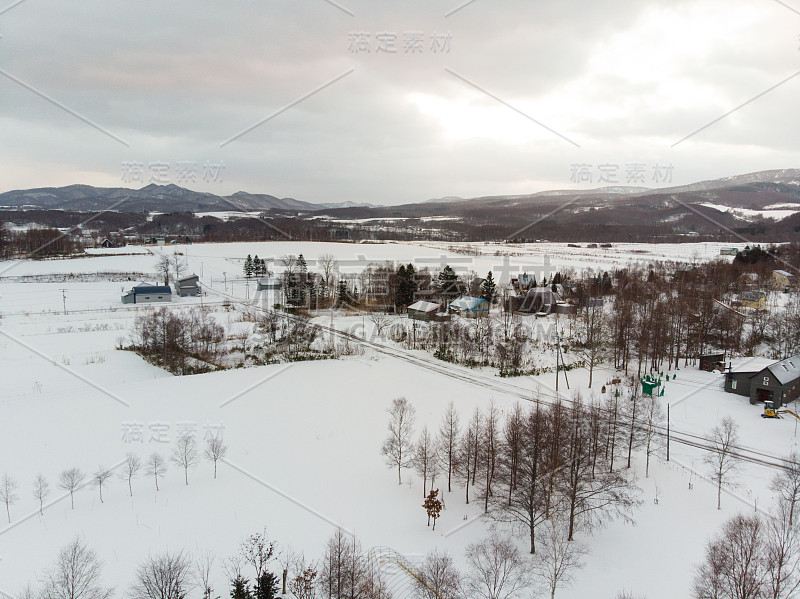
(558, 557)
(8, 486)
(163, 267)
(327, 264)
(76, 575)
(734, 565)
(41, 489)
(156, 467)
(448, 441)
(185, 454)
(287, 557)
(166, 576)
(257, 550)
(424, 458)
(398, 446)
(202, 573)
(651, 425)
(438, 578)
(497, 570)
(721, 460)
(215, 451)
(783, 534)
(380, 319)
(178, 266)
(70, 480)
(130, 468)
(99, 477)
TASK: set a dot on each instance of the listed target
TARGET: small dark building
(709, 362)
(188, 286)
(107, 243)
(423, 310)
(778, 382)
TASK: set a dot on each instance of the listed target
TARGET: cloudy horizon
(327, 101)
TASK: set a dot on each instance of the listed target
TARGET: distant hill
(152, 198)
(760, 206)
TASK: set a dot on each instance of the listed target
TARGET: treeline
(36, 243)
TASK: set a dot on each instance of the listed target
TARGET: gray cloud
(177, 79)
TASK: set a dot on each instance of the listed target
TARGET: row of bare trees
(186, 454)
(531, 463)
(495, 569)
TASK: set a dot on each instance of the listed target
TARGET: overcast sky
(507, 98)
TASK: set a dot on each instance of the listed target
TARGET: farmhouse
(778, 382)
(423, 310)
(753, 299)
(782, 279)
(188, 286)
(469, 307)
(145, 293)
(727, 251)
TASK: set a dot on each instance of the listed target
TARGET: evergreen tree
(257, 266)
(301, 264)
(266, 587)
(448, 285)
(240, 588)
(433, 506)
(488, 288)
(344, 294)
(406, 286)
(248, 266)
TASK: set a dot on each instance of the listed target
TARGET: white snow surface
(304, 438)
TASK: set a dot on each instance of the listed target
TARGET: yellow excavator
(771, 412)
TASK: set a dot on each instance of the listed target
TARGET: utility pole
(225, 280)
(668, 432)
(64, 299)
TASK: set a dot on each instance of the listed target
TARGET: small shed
(710, 362)
(727, 251)
(469, 307)
(188, 286)
(423, 310)
(107, 243)
(145, 293)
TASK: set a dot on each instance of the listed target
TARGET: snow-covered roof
(470, 303)
(750, 364)
(786, 370)
(423, 306)
(784, 273)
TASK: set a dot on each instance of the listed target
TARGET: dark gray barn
(778, 382)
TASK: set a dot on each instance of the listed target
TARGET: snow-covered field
(304, 438)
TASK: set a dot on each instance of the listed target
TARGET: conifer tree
(240, 588)
(488, 288)
(248, 266)
(433, 506)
